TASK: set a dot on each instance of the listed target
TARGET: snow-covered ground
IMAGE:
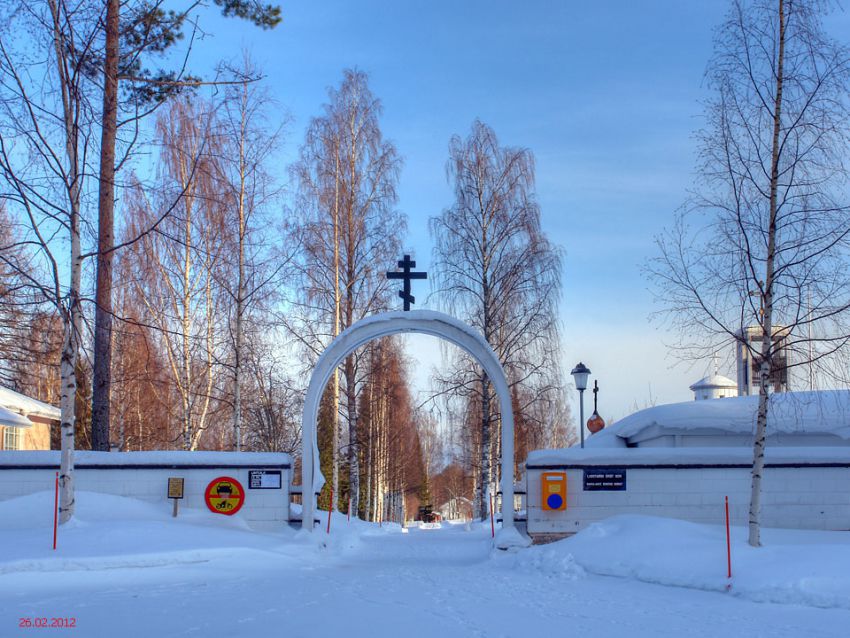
(126, 568)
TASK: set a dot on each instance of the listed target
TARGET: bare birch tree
(133, 33)
(495, 269)
(43, 149)
(180, 258)
(349, 235)
(243, 147)
(764, 240)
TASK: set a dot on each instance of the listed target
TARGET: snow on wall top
(22, 404)
(685, 456)
(50, 458)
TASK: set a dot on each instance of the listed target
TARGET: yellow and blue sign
(554, 490)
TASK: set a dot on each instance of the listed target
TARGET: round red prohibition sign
(225, 495)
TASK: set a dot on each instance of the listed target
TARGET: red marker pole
(492, 521)
(55, 509)
(330, 509)
(728, 548)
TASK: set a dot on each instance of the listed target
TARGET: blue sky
(606, 94)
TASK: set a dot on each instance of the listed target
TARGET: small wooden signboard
(175, 491)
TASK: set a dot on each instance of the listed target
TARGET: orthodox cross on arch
(406, 264)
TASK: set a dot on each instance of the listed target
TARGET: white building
(682, 460)
(795, 419)
(715, 386)
(29, 421)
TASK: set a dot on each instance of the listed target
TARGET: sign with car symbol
(224, 495)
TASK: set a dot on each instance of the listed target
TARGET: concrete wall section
(144, 476)
(803, 495)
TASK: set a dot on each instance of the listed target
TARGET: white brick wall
(800, 497)
(125, 474)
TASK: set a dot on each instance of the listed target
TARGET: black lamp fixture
(580, 374)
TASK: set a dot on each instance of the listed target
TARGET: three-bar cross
(406, 264)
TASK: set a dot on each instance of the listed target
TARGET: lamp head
(580, 374)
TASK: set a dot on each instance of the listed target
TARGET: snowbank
(793, 567)
(111, 531)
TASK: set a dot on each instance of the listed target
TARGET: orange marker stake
(728, 549)
(55, 509)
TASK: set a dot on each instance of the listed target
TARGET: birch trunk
(767, 322)
(72, 316)
(66, 406)
(369, 450)
(186, 322)
(240, 284)
(337, 312)
(350, 281)
(353, 447)
(486, 448)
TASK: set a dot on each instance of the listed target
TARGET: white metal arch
(423, 322)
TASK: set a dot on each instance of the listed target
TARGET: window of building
(13, 438)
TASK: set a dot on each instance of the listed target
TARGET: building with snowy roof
(26, 422)
(714, 386)
(795, 419)
(681, 460)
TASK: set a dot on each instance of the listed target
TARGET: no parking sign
(225, 495)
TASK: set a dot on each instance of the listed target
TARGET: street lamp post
(580, 374)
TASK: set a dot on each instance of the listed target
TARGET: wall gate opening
(427, 322)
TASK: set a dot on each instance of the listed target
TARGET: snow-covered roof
(13, 419)
(51, 458)
(714, 381)
(22, 404)
(823, 412)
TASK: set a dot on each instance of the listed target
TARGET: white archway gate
(423, 322)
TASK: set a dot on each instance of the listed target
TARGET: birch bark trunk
(767, 320)
(72, 314)
(240, 284)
